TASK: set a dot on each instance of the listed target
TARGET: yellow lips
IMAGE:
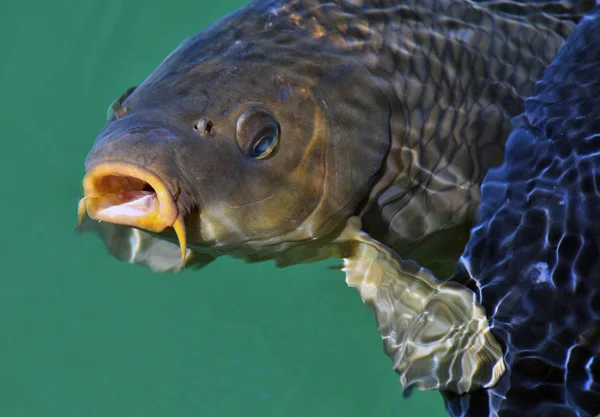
(130, 195)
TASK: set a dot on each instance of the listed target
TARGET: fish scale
(296, 131)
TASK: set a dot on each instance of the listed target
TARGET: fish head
(238, 153)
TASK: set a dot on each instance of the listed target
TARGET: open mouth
(130, 195)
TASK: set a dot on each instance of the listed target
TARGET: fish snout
(122, 184)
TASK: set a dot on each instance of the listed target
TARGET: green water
(82, 334)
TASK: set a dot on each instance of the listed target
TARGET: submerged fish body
(534, 257)
(302, 130)
(349, 91)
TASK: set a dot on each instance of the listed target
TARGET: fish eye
(116, 110)
(257, 133)
(264, 146)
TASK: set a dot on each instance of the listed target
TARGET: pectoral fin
(436, 334)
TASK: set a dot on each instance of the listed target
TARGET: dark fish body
(436, 81)
(302, 130)
(534, 257)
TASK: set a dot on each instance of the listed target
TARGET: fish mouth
(130, 195)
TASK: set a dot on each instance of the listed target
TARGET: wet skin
(297, 131)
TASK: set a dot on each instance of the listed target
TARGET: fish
(302, 130)
(534, 256)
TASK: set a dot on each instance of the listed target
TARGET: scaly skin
(416, 98)
(386, 115)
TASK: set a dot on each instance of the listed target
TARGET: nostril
(209, 126)
(204, 126)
